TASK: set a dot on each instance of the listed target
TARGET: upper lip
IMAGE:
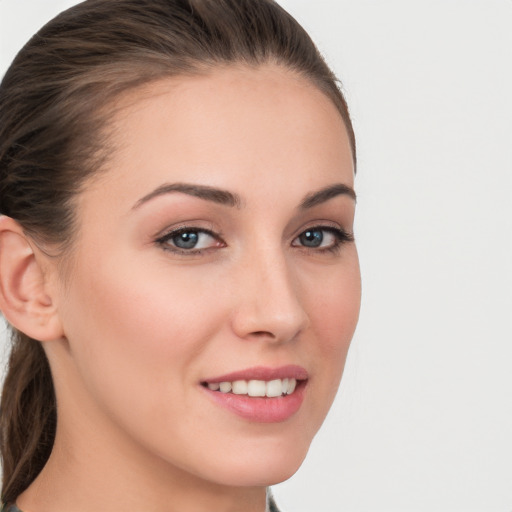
(263, 373)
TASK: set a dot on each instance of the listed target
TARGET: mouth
(260, 394)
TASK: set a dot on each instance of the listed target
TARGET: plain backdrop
(423, 420)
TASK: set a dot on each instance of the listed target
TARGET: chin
(260, 469)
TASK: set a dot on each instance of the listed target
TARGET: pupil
(312, 238)
(187, 240)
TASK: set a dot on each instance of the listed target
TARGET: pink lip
(263, 373)
(261, 409)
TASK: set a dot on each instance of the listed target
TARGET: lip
(261, 409)
(263, 373)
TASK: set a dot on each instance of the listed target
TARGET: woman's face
(215, 251)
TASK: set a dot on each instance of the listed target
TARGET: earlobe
(24, 300)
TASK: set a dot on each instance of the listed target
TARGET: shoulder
(271, 504)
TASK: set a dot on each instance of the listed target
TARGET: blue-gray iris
(186, 240)
(311, 238)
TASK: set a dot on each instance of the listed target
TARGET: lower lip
(261, 409)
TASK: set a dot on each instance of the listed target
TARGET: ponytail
(27, 416)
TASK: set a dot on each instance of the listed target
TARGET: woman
(177, 261)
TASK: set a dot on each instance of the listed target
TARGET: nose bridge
(269, 302)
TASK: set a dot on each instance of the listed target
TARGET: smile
(260, 394)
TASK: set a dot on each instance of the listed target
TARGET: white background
(423, 421)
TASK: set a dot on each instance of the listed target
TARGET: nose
(268, 304)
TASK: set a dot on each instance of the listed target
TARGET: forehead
(239, 128)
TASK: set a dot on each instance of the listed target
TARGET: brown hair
(53, 121)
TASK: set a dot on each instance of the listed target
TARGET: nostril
(263, 333)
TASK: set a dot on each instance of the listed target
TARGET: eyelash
(341, 237)
(164, 241)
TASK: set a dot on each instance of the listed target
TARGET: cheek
(135, 329)
(146, 305)
(333, 307)
(333, 303)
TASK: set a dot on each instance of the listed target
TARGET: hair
(54, 113)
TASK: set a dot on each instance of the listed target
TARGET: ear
(24, 298)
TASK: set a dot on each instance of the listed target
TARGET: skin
(142, 326)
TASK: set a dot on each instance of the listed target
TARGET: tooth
(256, 388)
(291, 386)
(239, 387)
(214, 386)
(274, 388)
(285, 386)
(225, 387)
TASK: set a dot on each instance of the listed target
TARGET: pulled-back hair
(54, 118)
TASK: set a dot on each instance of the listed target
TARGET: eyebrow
(323, 195)
(226, 198)
(216, 195)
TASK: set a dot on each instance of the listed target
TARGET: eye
(189, 240)
(322, 238)
(312, 238)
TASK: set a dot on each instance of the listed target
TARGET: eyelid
(165, 236)
(197, 225)
(325, 225)
(342, 236)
